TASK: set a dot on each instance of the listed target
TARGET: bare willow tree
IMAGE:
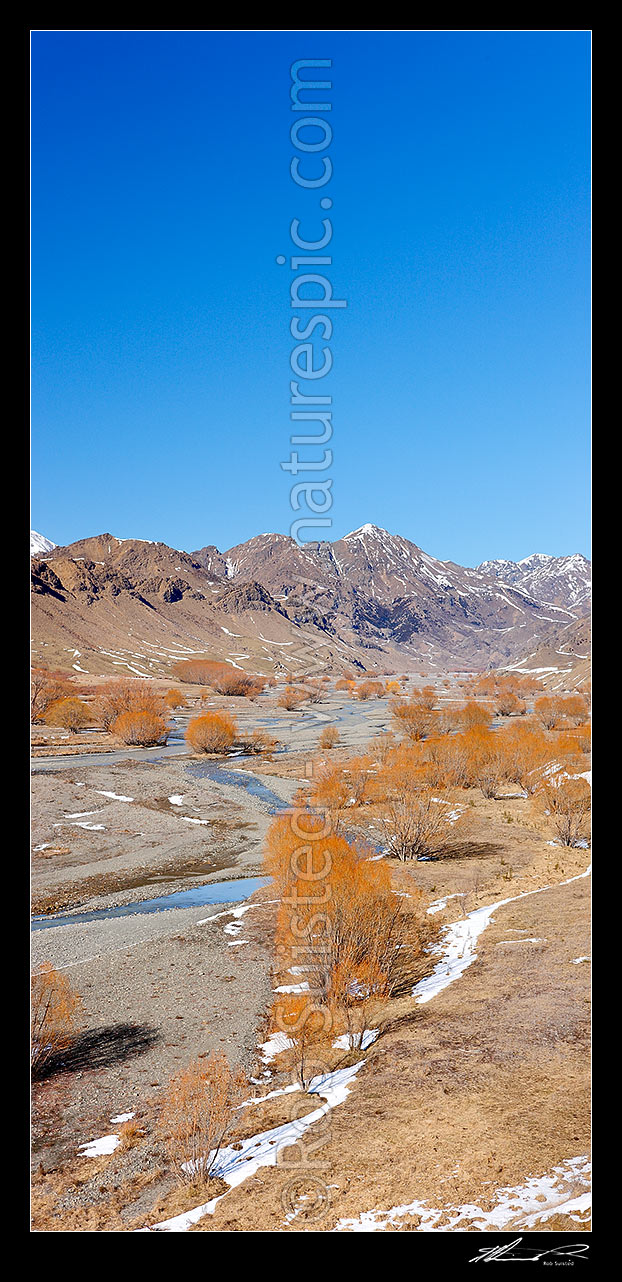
(45, 689)
(415, 823)
(199, 1109)
(568, 803)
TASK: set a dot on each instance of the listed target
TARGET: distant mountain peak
(554, 580)
(375, 530)
(39, 545)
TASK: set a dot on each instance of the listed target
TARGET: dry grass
(480, 1089)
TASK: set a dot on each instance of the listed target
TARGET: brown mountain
(369, 600)
(562, 660)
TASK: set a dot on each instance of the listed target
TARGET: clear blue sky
(161, 199)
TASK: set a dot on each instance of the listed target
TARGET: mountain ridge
(369, 600)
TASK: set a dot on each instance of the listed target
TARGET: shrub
(369, 690)
(329, 737)
(486, 762)
(142, 728)
(338, 786)
(574, 709)
(357, 929)
(415, 823)
(576, 740)
(71, 714)
(449, 761)
(548, 712)
(129, 1134)
(426, 696)
(126, 696)
(212, 732)
(258, 741)
(508, 704)
(46, 688)
(412, 718)
(199, 1108)
(331, 791)
(304, 1023)
(315, 691)
(557, 710)
(525, 751)
(568, 804)
(284, 839)
(222, 678)
(291, 698)
(174, 699)
(53, 1011)
(474, 714)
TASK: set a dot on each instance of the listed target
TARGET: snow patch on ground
(438, 904)
(458, 948)
(236, 1165)
(348, 1042)
(100, 1147)
(564, 1192)
(275, 1045)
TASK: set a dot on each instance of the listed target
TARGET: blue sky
(162, 197)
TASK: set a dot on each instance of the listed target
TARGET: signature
(514, 1251)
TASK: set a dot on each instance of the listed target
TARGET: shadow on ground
(99, 1048)
(471, 850)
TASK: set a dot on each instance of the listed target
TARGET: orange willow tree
(198, 1110)
(559, 710)
(118, 697)
(221, 677)
(338, 920)
(71, 714)
(174, 699)
(292, 698)
(212, 732)
(46, 688)
(305, 1024)
(54, 1009)
(142, 727)
(412, 718)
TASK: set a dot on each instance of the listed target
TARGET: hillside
(563, 660)
(371, 600)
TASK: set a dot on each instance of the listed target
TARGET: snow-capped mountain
(370, 599)
(555, 580)
(373, 588)
(39, 545)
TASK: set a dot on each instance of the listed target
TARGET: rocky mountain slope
(371, 600)
(556, 580)
(562, 661)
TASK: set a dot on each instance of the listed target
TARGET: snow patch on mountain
(39, 545)
(549, 580)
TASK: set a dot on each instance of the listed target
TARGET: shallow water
(215, 892)
(236, 779)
